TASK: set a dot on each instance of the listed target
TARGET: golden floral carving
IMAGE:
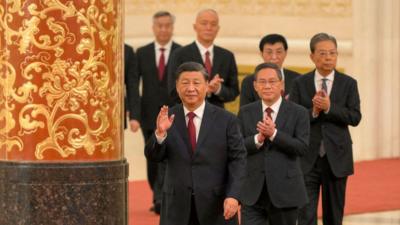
(64, 85)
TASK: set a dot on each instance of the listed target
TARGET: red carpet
(374, 187)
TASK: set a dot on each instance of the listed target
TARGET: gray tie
(322, 151)
(324, 86)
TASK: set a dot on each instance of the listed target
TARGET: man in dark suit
(219, 62)
(153, 61)
(205, 155)
(132, 90)
(273, 49)
(276, 134)
(333, 102)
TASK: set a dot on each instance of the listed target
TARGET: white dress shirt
(318, 84)
(318, 81)
(203, 51)
(275, 109)
(167, 51)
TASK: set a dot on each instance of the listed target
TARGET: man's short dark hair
(272, 39)
(191, 67)
(321, 37)
(162, 14)
(270, 66)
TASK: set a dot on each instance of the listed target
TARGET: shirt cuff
(219, 90)
(258, 144)
(160, 140)
(273, 136)
(327, 111)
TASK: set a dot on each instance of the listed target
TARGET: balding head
(206, 26)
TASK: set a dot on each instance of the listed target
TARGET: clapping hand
(321, 102)
(266, 127)
(164, 122)
(214, 84)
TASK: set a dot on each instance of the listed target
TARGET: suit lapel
(195, 51)
(281, 117)
(206, 124)
(335, 86)
(311, 85)
(182, 128)
(216, 61)
(153, 63)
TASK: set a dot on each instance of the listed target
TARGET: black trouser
(333, 195)
(155, 172)
(264, 212)
(193, 220)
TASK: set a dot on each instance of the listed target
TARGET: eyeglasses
(326, 53)
(278, 52)
(266, 82)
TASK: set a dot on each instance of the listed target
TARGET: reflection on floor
(134, 146)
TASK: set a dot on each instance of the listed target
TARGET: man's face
(192, 88)
(268, 85)
(325, 57)
(206, 26)
(163, 28)
(274, 53)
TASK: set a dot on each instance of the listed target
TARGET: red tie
(208, 63)
(268, 112)
(192, 130)
(161, 64)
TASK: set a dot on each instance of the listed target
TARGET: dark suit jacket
(154, 91)
(132, 86)
(333, 126)
(223, 64)
(214, 172)
(278, 162)
(248, 94)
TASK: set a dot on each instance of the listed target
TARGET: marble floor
(137, 171)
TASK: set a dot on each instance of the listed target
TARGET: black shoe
(157, 208)
(152, 209)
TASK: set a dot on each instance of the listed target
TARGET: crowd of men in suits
(289, 143)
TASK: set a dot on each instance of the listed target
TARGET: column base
(64, 193)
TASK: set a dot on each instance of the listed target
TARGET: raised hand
(164, 122)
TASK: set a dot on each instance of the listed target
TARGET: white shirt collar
(199, 111)
(203, 50)
(330, 77)
(275, 107)
(167, 46)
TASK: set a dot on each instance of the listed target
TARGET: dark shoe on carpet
(157, 208)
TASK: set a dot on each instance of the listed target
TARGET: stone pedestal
(63, 193)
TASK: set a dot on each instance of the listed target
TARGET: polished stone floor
(134, 153)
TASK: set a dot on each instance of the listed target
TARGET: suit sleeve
(132, 85)
(349, 114)
(236, 159)
(246, 90)
(295, 96)
(155, 152)
(249, 143)
(230, 86)
(173, 65)
(296, 144)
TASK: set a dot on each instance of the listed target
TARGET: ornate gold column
(61, 157)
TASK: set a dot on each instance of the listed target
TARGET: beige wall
(368, 39)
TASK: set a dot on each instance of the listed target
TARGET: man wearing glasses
(273, 49)
(276, 134)
(333, 103)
